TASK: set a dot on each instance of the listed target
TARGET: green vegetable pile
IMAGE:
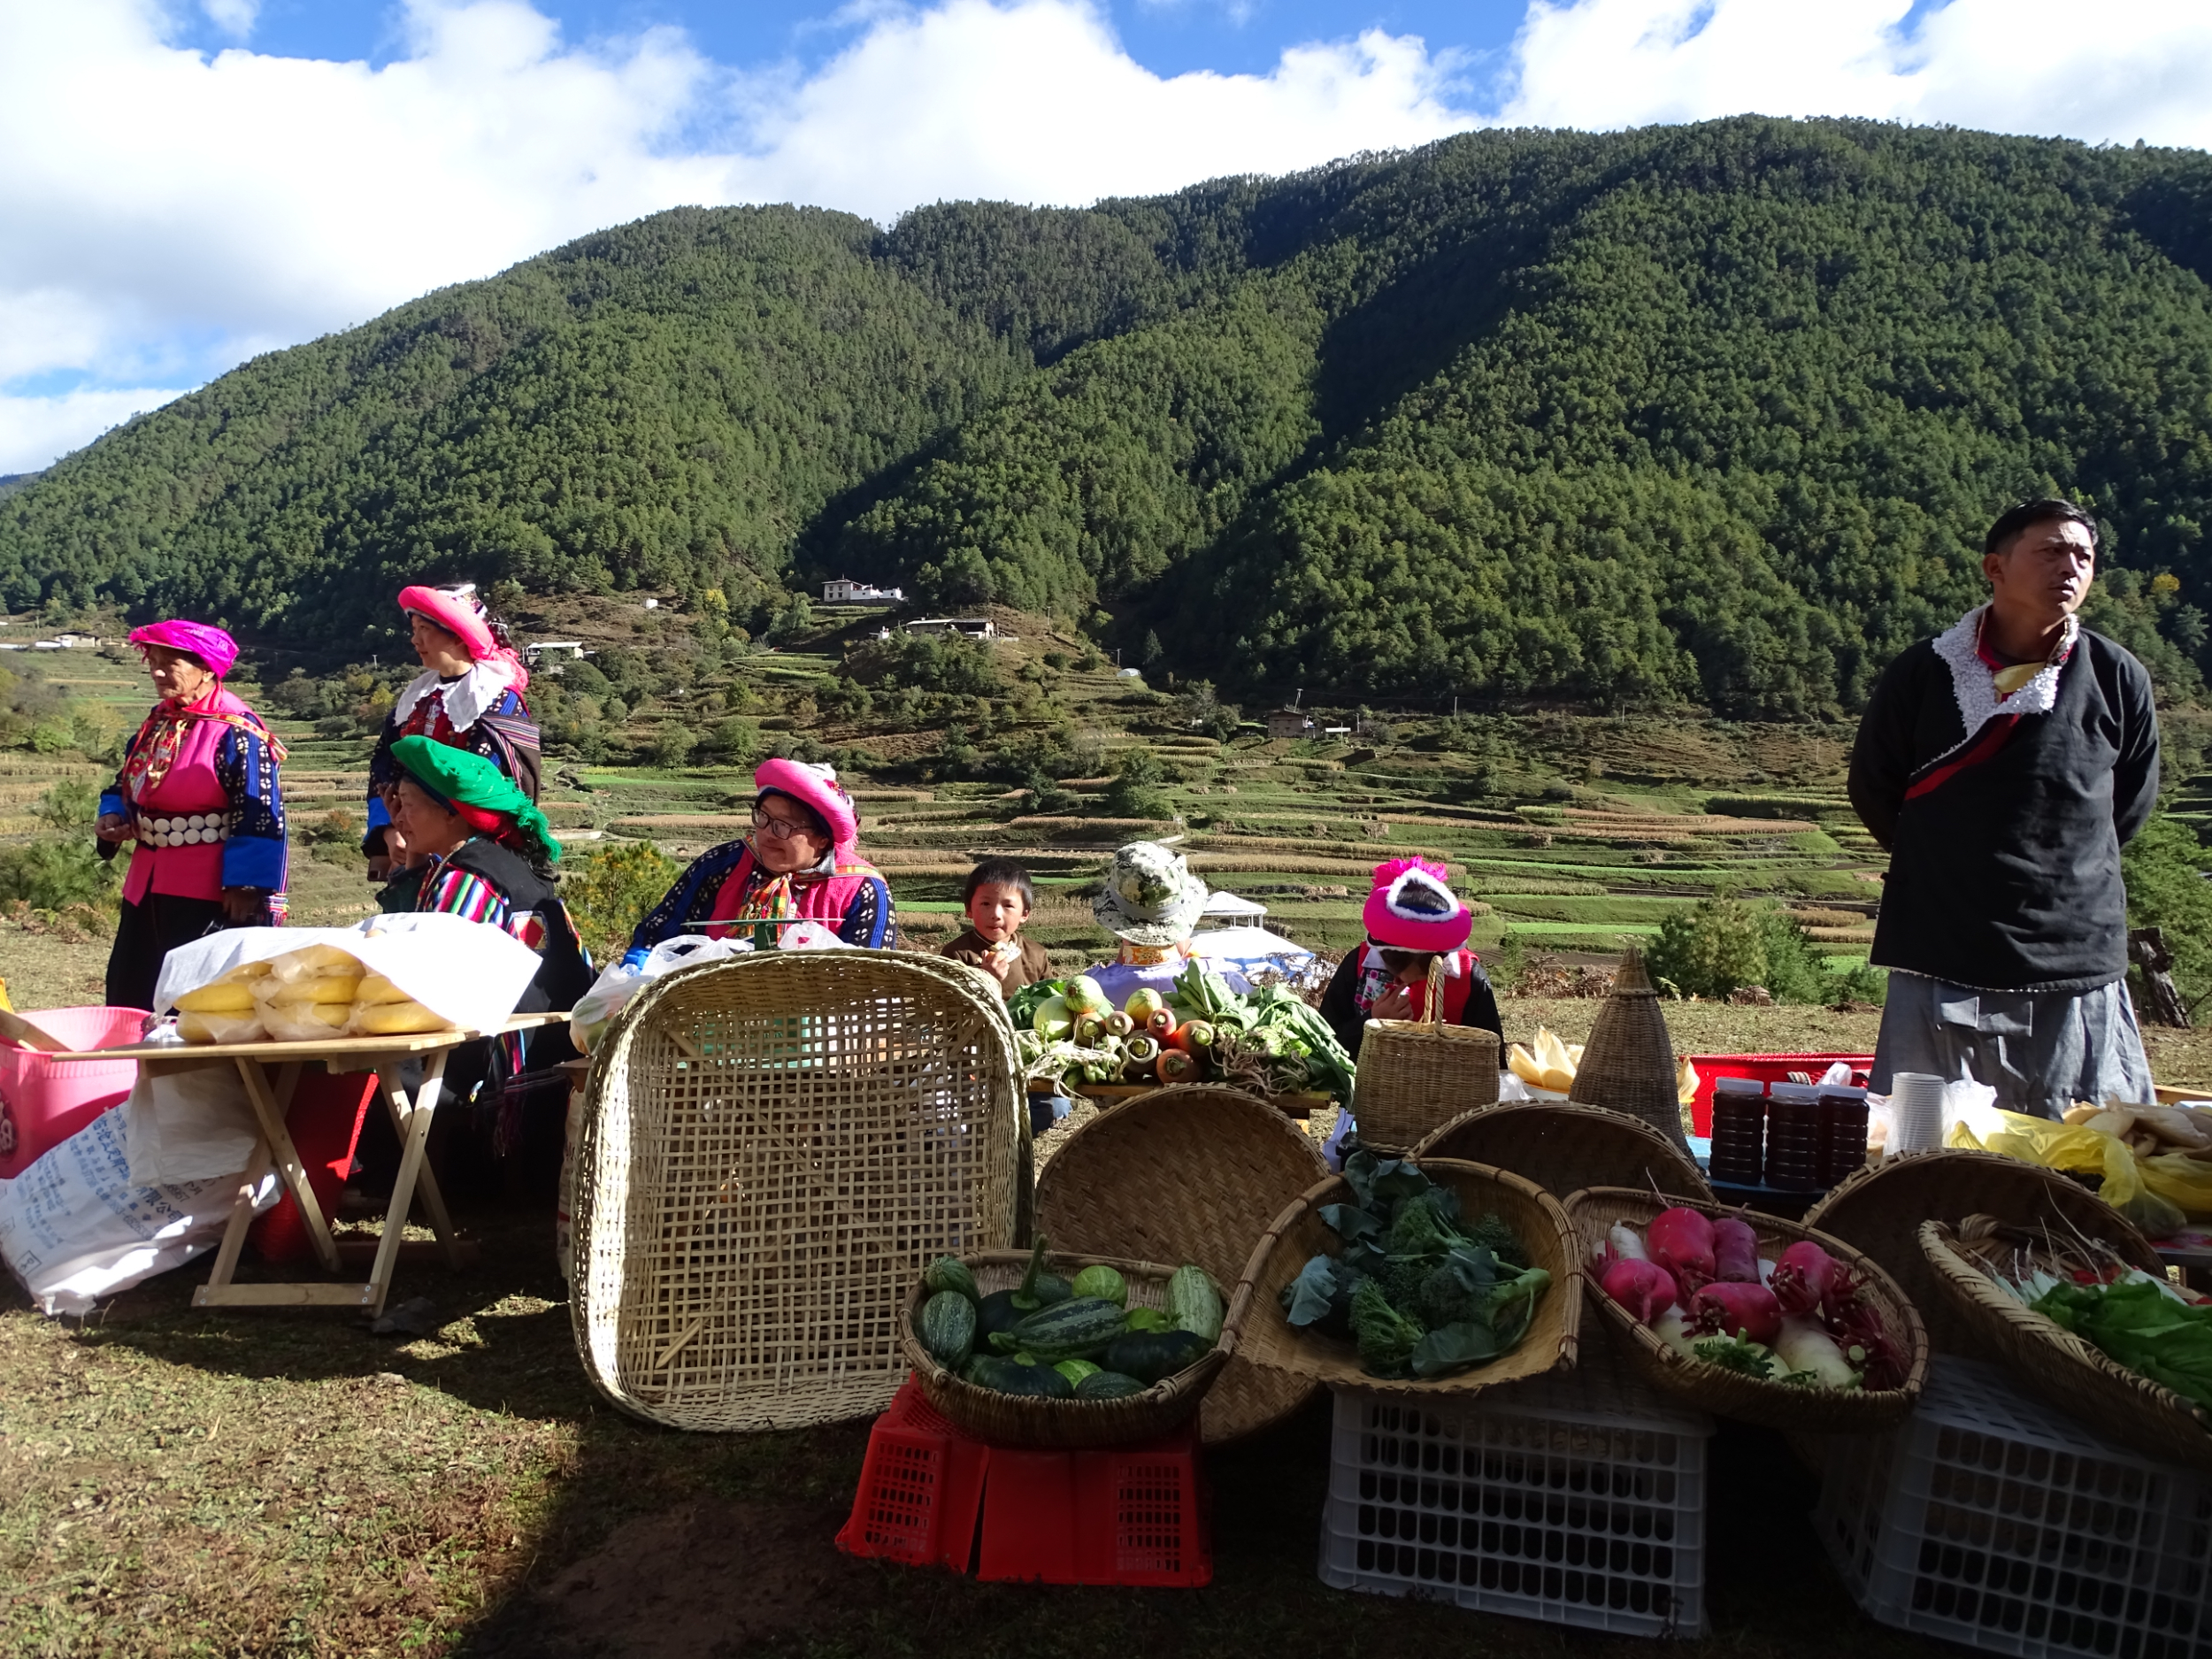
(1056, 1339)
(1420, 1290)
(2141, 1324)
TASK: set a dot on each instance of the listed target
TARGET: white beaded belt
(196, 830)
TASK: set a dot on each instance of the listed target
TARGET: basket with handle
(1416, 1074)
(1563, 1148)
(1190, 1172)
(1026, 1420)
(1299, 1235)
(1880, 1209)
(1730, 1393)
(772, 1149)
(2070, 1373)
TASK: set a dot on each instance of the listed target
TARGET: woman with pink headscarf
(799, 864)
(1413, 919)
(469, 696)
(199, 802)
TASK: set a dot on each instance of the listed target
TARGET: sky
(185, 184)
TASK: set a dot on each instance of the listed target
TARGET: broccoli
(1456, 1289)
(1419, 1229)
(1494, 1236)
(1386, 1338)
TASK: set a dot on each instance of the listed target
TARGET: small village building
(845, 591)
(1289, 723)
(967, 627)
(540, 650)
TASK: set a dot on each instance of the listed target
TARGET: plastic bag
(74, 1227)
(193, 1124)
(2063, 1146)
(596, 1008)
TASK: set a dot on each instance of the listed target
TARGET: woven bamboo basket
(1416, 1074)
(1563, 1148)
(1628, 1063)
(1731, 1394)
(1299, 1235)
(772, 1149)
(1192, 1172)
(2073, 1374)
(1881, 1211)
(1068, 1424)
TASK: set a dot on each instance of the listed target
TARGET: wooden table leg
(270, 1106)
(414, 1120)
(427, 1187)
(241, 1219)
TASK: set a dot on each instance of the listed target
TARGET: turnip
(1675, 1332)
(1804, 1277)
(1644, 1288)
(1053, 1020)
(1681, 1241)
(1625, 1245)
(1736, 1310)
(1811, 1355)
(1735, 1251)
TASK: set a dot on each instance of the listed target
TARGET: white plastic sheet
(193, 1124)
(469, 973)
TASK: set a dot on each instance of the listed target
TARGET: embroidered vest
(191, 787)
(825, 899)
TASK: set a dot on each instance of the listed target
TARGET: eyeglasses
(782, 829)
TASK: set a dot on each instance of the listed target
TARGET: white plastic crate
(1577, 1499)
(1991, 1519)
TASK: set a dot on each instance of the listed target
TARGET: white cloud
(234, 17)
(2109, 72)
(34, 430)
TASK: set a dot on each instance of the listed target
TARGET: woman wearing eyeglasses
(797, 863)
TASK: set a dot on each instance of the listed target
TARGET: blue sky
(186, 183)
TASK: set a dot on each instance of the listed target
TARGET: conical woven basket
(1628, 1064)
(1563, 1148)
(1881, 1208)
(773, 1149)
(1191, 1173)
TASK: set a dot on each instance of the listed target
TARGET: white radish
(1670, 1328)
(1806, 1346)
(1626, 1246)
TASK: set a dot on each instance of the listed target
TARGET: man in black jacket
(2003, 764)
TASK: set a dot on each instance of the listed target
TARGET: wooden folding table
(271, 1072)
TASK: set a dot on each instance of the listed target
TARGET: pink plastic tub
(44, 1101)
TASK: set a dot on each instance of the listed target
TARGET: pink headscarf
(210, 645)
(1411, 909)
(458, 611)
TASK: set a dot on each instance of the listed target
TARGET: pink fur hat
(1411, 909)
(816, 787)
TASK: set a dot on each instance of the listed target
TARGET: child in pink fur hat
(1412, 918)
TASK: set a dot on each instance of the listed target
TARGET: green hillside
(1706, 415)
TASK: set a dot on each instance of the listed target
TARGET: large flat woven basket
(774, 1147)
(1416, 1074)
(1069, 1424)
(1882, 1208)
(1732, 1394)
(1192, 1172)
(2073, 1375)
(1299, 1235)
(1566, 1148)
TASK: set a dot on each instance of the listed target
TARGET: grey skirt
(2041, 1051)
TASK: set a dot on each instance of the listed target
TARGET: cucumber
(1039, 1288)
(1012, 1376)
(1194, 1304)
(1147, 1319)
(947, 1328)
(1108, 1385)
(1102, 1282)
(1076, 1329)
(949, 1272)
(1150, 1355)
(1075, 1370)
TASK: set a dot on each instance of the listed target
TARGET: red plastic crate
(1768, 1068)
(1126, 1515)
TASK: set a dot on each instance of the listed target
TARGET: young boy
(1000, 896)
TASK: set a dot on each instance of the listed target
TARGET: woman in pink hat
(797, 863)
(199, 802)
(1412, 920)
(469, 696)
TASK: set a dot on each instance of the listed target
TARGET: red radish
(1804, 1276)
(1681, 1241)
(1735, 1309)
(1644, 1289)
(1162, 1024)
(1861, 1327)
(1735, 1251)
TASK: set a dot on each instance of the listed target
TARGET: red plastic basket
(1768, 1068)
(1127, 1515)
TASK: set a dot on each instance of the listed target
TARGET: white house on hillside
(844, 591)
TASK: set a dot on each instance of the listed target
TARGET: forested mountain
(1709, 414)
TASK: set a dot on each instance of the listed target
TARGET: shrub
(672, 745)
(56, 876)
(68, 806)
(2166, 888)
(609, 891)
(1136, 791)
(735, 741)
(1720, 944)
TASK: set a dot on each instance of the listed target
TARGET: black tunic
(2005, 870)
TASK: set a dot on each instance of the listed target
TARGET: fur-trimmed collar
(1975, 687)
(467, 697)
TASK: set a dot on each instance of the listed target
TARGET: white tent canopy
(1249, 949)
(1222, 903)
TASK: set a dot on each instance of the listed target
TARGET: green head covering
(460, 778)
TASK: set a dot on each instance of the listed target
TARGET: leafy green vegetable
(1386, 1338)
(1740, 1353)
(2138, 1324)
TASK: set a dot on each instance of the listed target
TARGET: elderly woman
(197, 797)
(468, 696)
(1412, 920)
(798, 864)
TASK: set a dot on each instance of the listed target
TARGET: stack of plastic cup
(1915, 1101)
